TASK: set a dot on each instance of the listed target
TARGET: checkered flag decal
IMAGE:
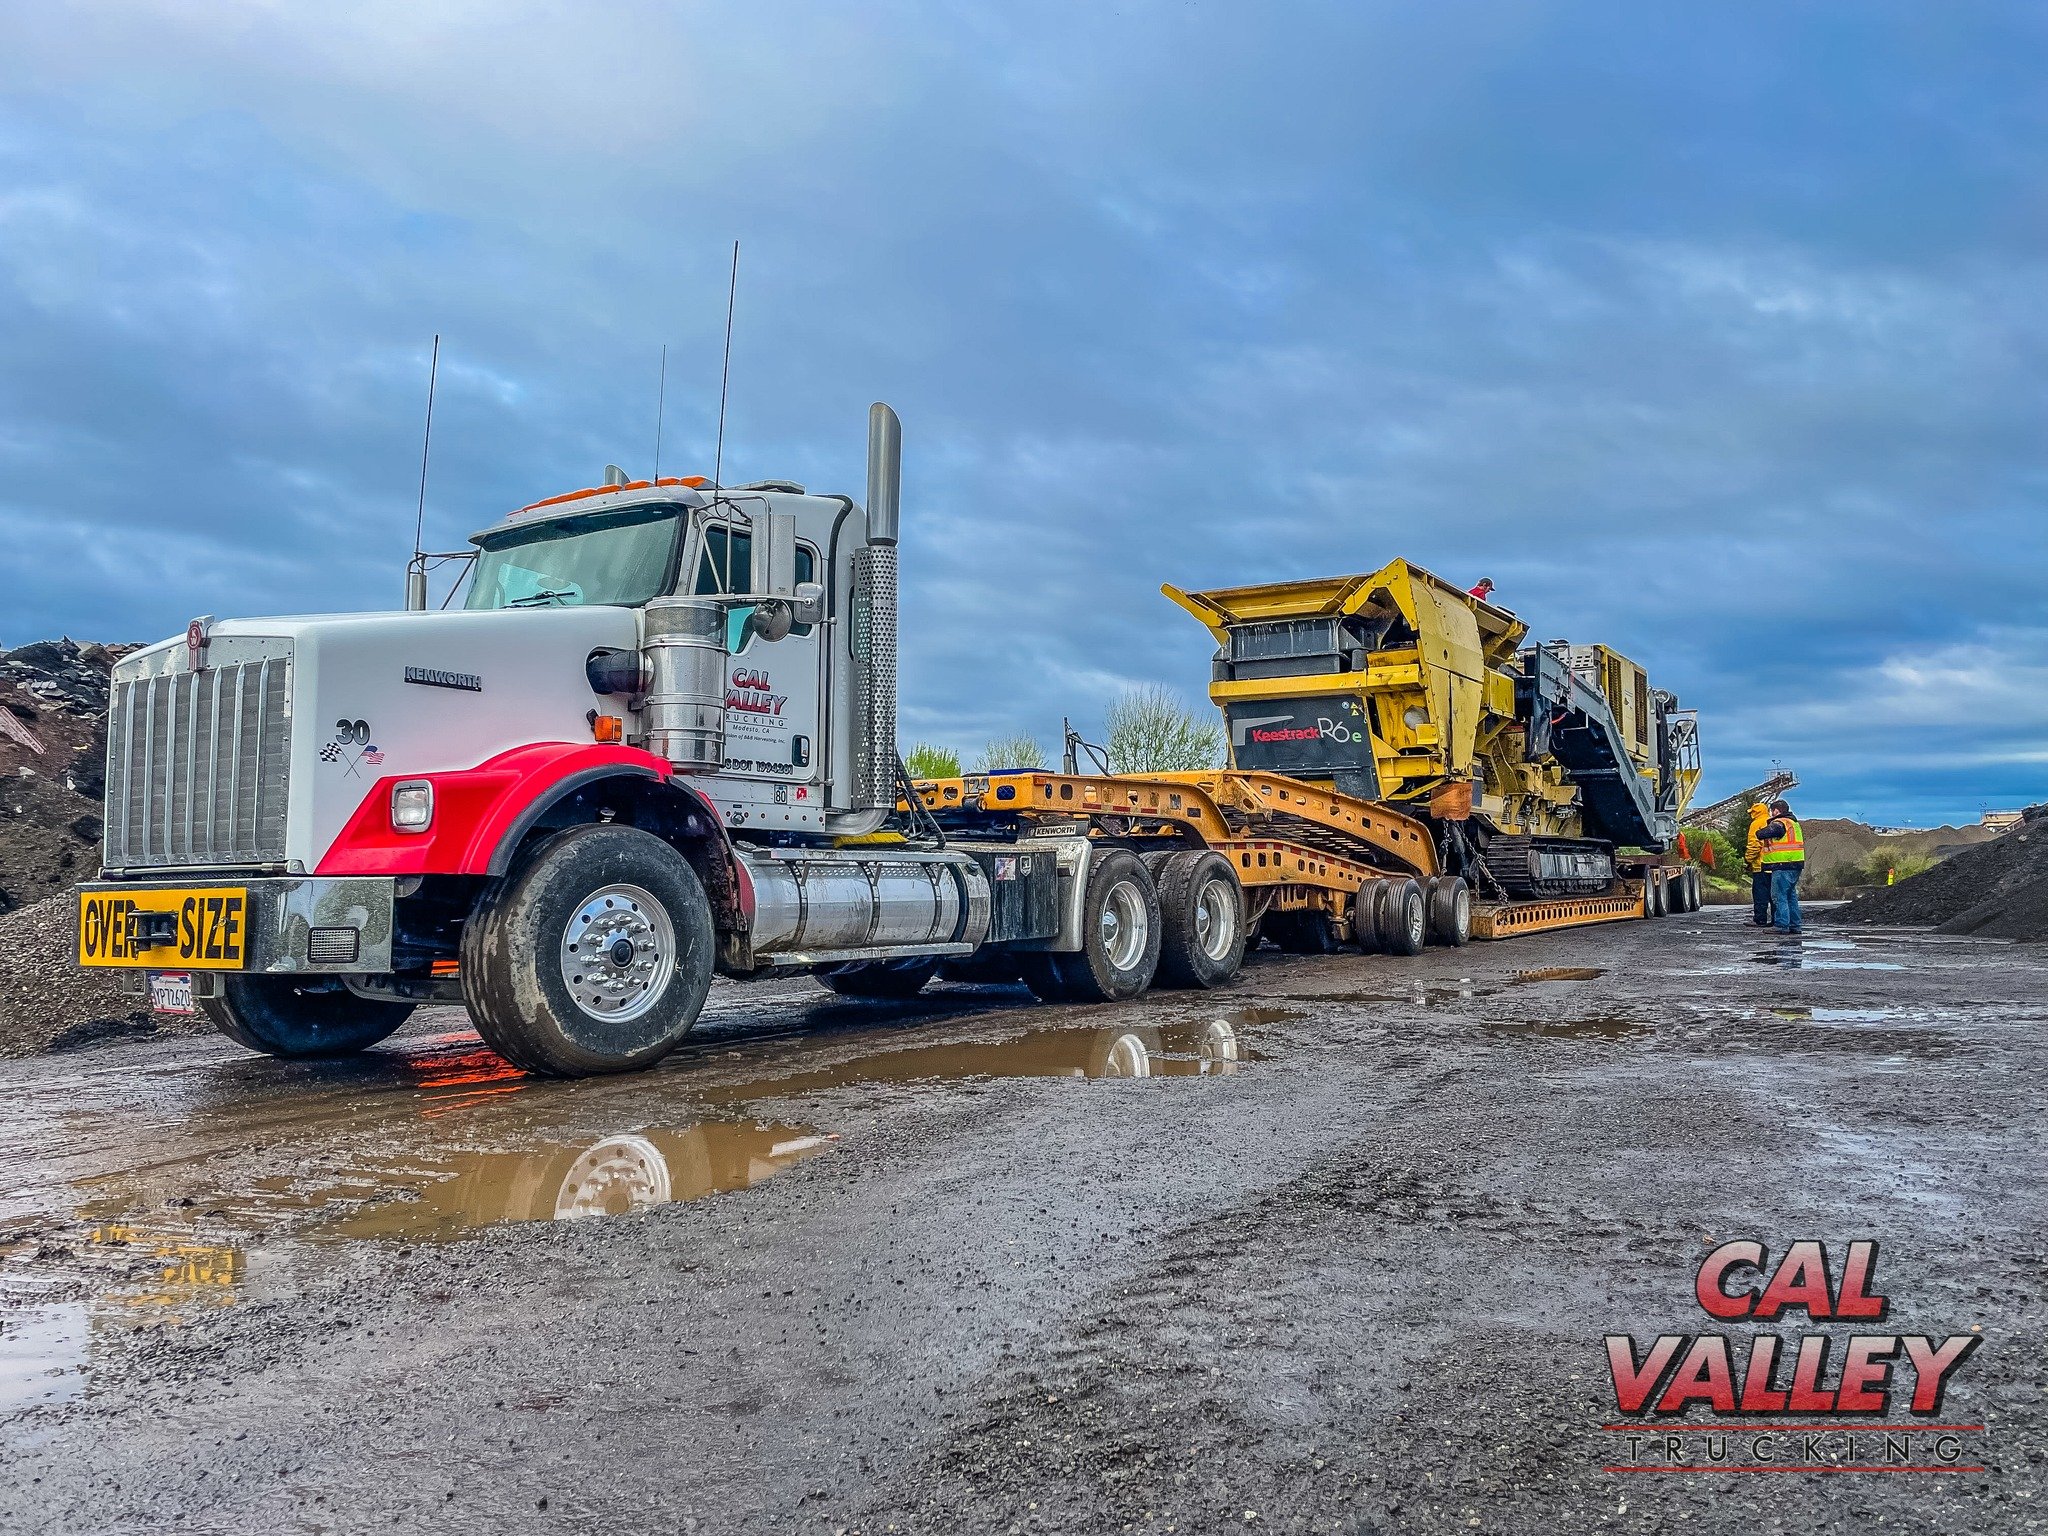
(331, 753)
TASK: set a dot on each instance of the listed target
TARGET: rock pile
(1997, 890)
(53, 709)
(63, 674)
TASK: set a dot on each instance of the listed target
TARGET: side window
(806, 570)
(727, 562)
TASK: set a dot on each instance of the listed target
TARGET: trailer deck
(1296, 846)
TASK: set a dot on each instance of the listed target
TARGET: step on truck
(658, 741)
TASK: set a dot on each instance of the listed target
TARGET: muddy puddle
(1567, 1029)
(445, 1141)
(1558, 973)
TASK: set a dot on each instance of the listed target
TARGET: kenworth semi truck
(659, 741)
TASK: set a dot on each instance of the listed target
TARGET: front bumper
(312, 925)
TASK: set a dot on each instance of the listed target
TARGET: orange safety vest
(1791, 848)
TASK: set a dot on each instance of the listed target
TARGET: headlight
(412, 805)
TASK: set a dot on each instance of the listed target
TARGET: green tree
(925, 761)
(1152, 730)
(1018, 751)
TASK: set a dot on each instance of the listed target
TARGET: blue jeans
(1785, 896)
(1760, 898)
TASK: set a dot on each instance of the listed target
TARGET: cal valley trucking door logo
(1854, 1399)
(751, 693)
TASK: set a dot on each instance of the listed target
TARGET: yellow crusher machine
(1532, 766)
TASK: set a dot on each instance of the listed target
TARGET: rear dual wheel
(1120, 938)
(1398, 916)
(1201, 912)
(1450, 911)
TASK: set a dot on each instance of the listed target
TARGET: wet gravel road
(1332, 1251)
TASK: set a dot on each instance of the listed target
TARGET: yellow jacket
(1753, 851)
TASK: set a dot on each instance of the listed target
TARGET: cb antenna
(660, 404)
(416, 568)
(732, 292)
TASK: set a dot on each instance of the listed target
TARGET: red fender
(479, 813)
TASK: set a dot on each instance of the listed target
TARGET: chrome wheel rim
(618, 953)
(619, 1174)
(1127, 1058)
(1124, 925)
(1215, 920)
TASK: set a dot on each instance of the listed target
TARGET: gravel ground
(1359, 1283)
(48, 1004)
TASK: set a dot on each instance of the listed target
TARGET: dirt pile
(1832, 844)
(1997, 890)
(53, 710)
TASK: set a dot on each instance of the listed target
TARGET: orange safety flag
(1707, 854)
(1683, 851)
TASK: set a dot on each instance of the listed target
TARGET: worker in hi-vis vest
(1784, 843)
(1753, 861)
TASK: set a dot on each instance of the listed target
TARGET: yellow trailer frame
(1296, 846)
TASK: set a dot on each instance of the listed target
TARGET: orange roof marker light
(692, 481)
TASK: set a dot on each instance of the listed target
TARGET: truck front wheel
(299, 1016)
(593, 956)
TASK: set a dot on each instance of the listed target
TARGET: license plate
(193, 929)
(171, 992)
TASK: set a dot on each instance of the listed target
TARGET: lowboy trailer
(659, 741)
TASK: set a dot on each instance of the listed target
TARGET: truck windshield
(623, 557)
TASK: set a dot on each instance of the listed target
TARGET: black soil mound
(1998, 890)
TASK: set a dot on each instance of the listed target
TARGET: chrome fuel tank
(851, 904)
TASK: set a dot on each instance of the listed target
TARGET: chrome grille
(197, 764)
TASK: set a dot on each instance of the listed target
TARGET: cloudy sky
(1717, 333)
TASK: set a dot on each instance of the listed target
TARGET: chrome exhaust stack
(874, 619)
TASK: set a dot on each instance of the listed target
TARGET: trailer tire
(294, 1016)
(1201, 912)
(520, 950)
(1450, 911)
(1695, 890)
(1365, 922)
(1653, 894)
(1403, 926)
(1119, 951)
(878, 978)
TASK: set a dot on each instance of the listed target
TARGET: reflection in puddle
(463, 1146)
(1871, 1015)
(556, 1182)
(1570, 1029)
(1560, 973)
(1204, 1048)
(434, 1196)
